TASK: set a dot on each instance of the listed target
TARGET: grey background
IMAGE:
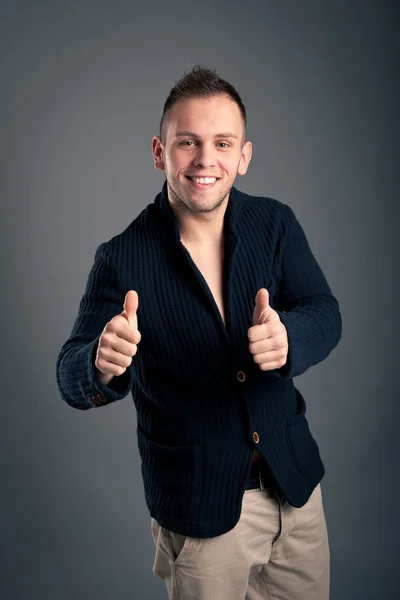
(82, 88)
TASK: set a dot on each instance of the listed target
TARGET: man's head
(202, 134)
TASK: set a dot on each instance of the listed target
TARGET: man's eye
(224, 144)
(187, 142)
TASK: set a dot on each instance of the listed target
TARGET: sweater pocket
(302, 445)
(171, 476)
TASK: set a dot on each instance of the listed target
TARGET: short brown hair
(200, 82)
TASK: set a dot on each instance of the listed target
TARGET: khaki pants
(274, 552)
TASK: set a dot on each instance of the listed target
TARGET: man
(205, 307)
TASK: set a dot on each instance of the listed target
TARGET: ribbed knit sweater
(197, 415)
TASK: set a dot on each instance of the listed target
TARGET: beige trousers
(274, 552)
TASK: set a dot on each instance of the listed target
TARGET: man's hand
(268, 336)
(118, 341)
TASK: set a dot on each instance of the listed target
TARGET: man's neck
(202, 230)
(198, 237)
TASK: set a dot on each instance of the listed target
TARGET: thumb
(262, 309)
(130, 308)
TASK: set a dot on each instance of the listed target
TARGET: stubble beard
(194, 206)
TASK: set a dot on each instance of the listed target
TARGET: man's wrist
(103, 378)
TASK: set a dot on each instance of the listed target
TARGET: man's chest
(209, 262)
(193, 298)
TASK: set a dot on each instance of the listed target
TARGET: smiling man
(206, 307)
(200, 157)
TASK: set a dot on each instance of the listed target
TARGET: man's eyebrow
(227, 134)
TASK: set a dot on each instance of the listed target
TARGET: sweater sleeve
(75, 368)
(309, 312)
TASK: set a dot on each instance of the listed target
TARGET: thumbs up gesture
(118, 341)
(268, 337)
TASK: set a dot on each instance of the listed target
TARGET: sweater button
(241, 376)
(256, 437)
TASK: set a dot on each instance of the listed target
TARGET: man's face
(203, 151)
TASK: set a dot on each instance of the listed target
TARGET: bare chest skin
(210, 264)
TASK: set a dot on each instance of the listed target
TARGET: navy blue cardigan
(195, 415)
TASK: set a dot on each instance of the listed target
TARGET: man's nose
(204, 157)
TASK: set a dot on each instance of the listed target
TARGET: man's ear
(158, 153)
(245, 158)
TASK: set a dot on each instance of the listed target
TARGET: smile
(204, 179)
(202, 182)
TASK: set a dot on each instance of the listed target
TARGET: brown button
(256, 437)
(97, 398)
(241, 376)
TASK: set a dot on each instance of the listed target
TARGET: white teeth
(204, 179)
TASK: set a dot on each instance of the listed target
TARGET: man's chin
(204, 206)
(196, 200)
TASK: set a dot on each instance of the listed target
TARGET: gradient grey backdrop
(82, 88)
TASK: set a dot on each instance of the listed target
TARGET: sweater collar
(231, 217)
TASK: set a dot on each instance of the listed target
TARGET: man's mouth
(202, 182)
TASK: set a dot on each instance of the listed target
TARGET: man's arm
(77, 377)
(309, 311)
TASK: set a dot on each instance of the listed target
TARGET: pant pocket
(178, 545)
(174, 545)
